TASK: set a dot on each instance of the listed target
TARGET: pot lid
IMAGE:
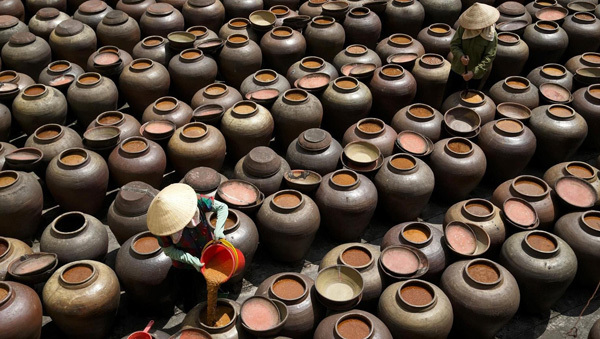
(512, 8)
(92, 7)
(314, 139)
(201, 3)
(47, 13)
(202, 179)
(115, 17)
(7, 21)
(261, 161)
(34, 263)
(160, 8)
(69, 27)
(22, 38)
(134, 198)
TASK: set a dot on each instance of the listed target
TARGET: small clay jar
(392, 88)
(263, 168)
(324, 37)
(420, 118)
(399, 43)
(264, 79)
(155, 48)
(209, 13)
(73, 41)
(195, 318)
(295, 112)
(551, 73)
(10, 25)
(204, 180)
(92, 12)
(52, 139)
(572, 168)
(511, 55)
(431, 72)
(374, 131)
(585, 102)
(239, 58)
(246, 125)
(481, 213)
(314, 150)
(45, 21)
(436, 38)
(38, 105)
(11, 84)
(77, 172)
(26, 53)
(515, 89)
(21, 310)
(134, 8)
(137, 159)
(11, 250)
(127, 213)
(194, 145)
(359, 54)
(362, 26)
(547, 43)
(21, 201)
(126, 123)
(142, 83)
(238, 25)
(341, 325)
(309, 65)
(216, 93)
(120, 30)
(282, 47)
(168, 108)
(90, 95)
(475, 100)
(347, 202)
(60, 74)
(190, 72)
(75, 236)
(83, 299)
(161, 19)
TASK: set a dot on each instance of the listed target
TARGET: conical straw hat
(172, 209)
(479, 16)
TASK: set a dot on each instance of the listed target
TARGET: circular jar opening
(561, 111)
(134, 145)
(239, 23)
(530, 186)
(553, 70)
(432, 59)
(60, 66)
(215, 89)
(580, 169)
(401, 39)
(440, 29)
(73, 157)
(7, 178)
(265, 76)
(509, 38)
(295, 95)
(591, 57)
(146, 244)
(356, 256)
(416, 293)
(77, 273)
(519, 212)
(107, 58)
(288, 287)
(282, 32)
(323, 20)
(224, 315)
(110, 118)
(70, 222)
(420, 111)
(592, 219)
(479, 208)
(231, 221)
(541, 241)
(392, 71)
(89, 79)
(35, 90)
(576, 192)
(141, 64)
(191, 54)
(354, 326)
(166, 104)
(312, 62)
(48, 132)
(403, 162)
(483, 272)
(509, 126)
(4, 246)
(8, 76)
(359, 11)
(288, 199)
(594, 90)
(472, 97)
(587, 17)
(153, 41)
(279, 10)
(198, 31)
(346, 83)
(245, 107)
(547, 25)
(461, 238)
(344, 178)
(371, 126)
(517, 82)
(400, 260)
(459, 146)
(237, 38)
(259, 314)
(416, 233)
(356, 49)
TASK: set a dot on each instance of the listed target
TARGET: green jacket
(481, 53)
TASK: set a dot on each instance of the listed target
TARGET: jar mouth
(245, 108)
(239, 22)
(472, 97)
(508, 38)
(530, 186)
(77, 273)
(73, 157)
(478, 208)
(517, 83)
(417, 293)
(35, 91)
(110, 118)
(166, 104)
(509, 126)
(323, 20)
(70, 223)
(5, 247)
(280, 10)
(594, 91)
(592, 58)
(8, 76)
(280, 288)
(370, 126)
(591, 219)
(547, 26)
(232, 222)
(348, 323)
(581, 170)
(215, 90)
(432, 60)
(392, 71)
(282, 32)
(191, 54)
(89, 79)
(266, 76)
(416, 233)
(401, 39)
(59, 66)
(194, 130)
(360, 12)
(584, 17)
(198, 31)
(288, 199)
(356, 256)
(312, 63)
(237, 39)
(48, 132)
(459, 146)
(346, 83)
(561, 111)
(295, 95)
(5, 293)
(542, 242)
(145, 244)
(141, 64)
(403, 162)
(439, 29)
(356, 49)
(134, 145)
(420, 111)
(7, 179)
(344, 178)
(153, 41)
(554, 70)
(484, 272)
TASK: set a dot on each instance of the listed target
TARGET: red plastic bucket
(140, 335)
(223, 251)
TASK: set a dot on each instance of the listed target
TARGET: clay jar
(436, 38)
(347, 202)
(219, 94)
(458, 165)
(168, 108)
(416, 308)
(356, 54)
(203, 34)
(310, 65)
(294, 112)
(120, 30)
(324, 37)
(544, 266)
(91, 95)
(134, 8)
(21, 202)
(353, 322)
(590, 59)
(127, 213)
(282, 47)
(239, 58)
(10, 25)
(291, 220)
(431, 72)
(573, 168)
(45, 21)
(559, 131)
(508, 145)
(533, 190)
(404, 184)
(374, 131)
(190, 72)
(583, 30)
(362, 26)
(233, 329)
(38, 105)
(420, 118)
(246, 125)
(73, 41)
(92, 12)
(155, 48)
(161, 19)
(194, 145)
(52, 139)
(143, 268)
(75, 236)
(26, 53)
(209, 13)
(551, 73)
(126, 123)
(83, 298)
(511, 55)
(74, 173)
(60, 74)
(581, 231)
(515, 89)
(345, 101)
(137, 159)
(10, 250)
(404, 16)
(547, 43)
(204, 180)
(399, 43)
(142, 83)
(21, 310)
(312, 8)
(585, 102)
(392, 88)
(11, 83)
(474, 100)
(238, 26)
(263, 168)
(314, 150)
(266, 79)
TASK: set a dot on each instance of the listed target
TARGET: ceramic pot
(91, 95)
(13, 82)
(120, 30)
(573, 168)
(362, 26)
(168, 108)
(137, 159)
(420, 118)
(73, 41)
(22, 202)
(373, 131)
(209, 13)
(583, 30)
(392, 88)
(515, 89)
(334, 326)
(295, 112)
(233, 329)
(436, 38)
(203, 35)
(345, 101)
(431, 73)
(239, 58)
(45, 21)
(190, 72)
(126, 123)
(356, 54)
(142, 82)
(52, 139)
(14, 8)
(92, 12)
(511, 55)
(134, 8)
(127, 213)
(441, 11)
(404, 16)
(264, 79)
(12, 249)
(155, 48)
(551, 73)
(547, 43)
(513, 11)
(315, 150)
(204, 180)
(38, 105)
(589, 59)
(9, 26)
(282, 47)
(26, 53)
(585, 101)
(161, 19)
(194, 145)
(263, 168)
(21, 311)
(246, 125)
(475, 100)
(595, 330)
(60, 74)
(311, 65)
(312, 8)
(216, 93)
(5, 148)
(324, 37)
(399, 43)
(238, 25)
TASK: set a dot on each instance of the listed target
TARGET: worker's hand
(464, 59)
(468, 76)
(218, 234)
(199, 266)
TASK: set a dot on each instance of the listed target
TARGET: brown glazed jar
(246, 125)
(392, 88)
(91, 95)
(282, 47)
(533, 190)
(11, 249)
(155, 48)
(585, 102)
(75, 236)
(216, 93)
(74, 173)
(10, 25)
(347, 202)
(26, 53)
(120, 30)
(297, 292)
(34, 6)
(194, 145)
(443, 11)
(52, 139)
(431, 72)
(559, 131)
(21, 311)
(127, 213)
(161, 19)
(264, 79)
(475, 100)
(416, 309)
(484, 296)
(126, 123)
(543, 265)
(190, 72)
(142, 83)
(73, 41)
(238, 25)
(83, 298)
(134, 8)
(242, 9)
(324, 37)
(314, 150)
(420, 118)
(551, 73)
(137, 159)
(239, 58)
(21, 201)
(312, 8)
(583, 30)
(508, 145)
(38, 105)
(168, 108)
(11, 83)
(458, 165)
(204, 180)
(143, 269)
(362, 26)
(233, 329)
(515, 89)
(404, 185)
(482, 213)
(209, 13)
(590, 59)
(45, 21)
(294, 112)
(374, 131)
(291, 219)
(202, 34)
(341, 325)
(5, 148)
(513, 11)
(404, 16)
(572, 168)
(345, 101)
(547, 43)
(310, 65)
(60, 74)
(436, 38)
(511, 55)
(92, 12)
(14, 8)
(581, 231)
(399, 43)
(263, 168)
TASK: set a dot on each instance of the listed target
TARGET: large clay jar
(12, 83)
(26, 53)
(294, 112)
(345, 101)
(399, 43)
(392, 88)
(21, 311)
(168, 108)
(38, 105)
(126, 123)
(308, 65)
(416, 309)
(374, 131)
(74, 173)
(60, 74)
(92, 12)
(559, 131)
(419, 118)
(314, 150)
(14, 8)
(216, 93)
(595, 330)
(238, 26)
(513, 11)
(155, 48)
(127, 214)
(583, 30)
(436, 38)
(196, 317)
(73, 41)
(551, 73)
(264, 79)
(458, 165)
(404, 185)
(194, 145)
(573, 168)
(543, 265)
(161, 19)
(5, 148)
(204, 180)
(362, 26)
(109, 61)
(203, 35)
(441, 11)
(119, 29)
(590, 59)
(137, 159)
(190, 72)
(312, 8)
(134, 8)
(511, 55)
(533, 190)
(347, 202)
(239, 58)
(143, 269)
(91, 95)
(52, 139)
(75, 236)
(585, 102)
(282, 47)
(263, 168)
(324, 37)
(246, 125)
(21, 202)
(581, 231)
(341, 325)
(45, 21)
(482, 213)
(209, 13)
(474, 100)
(82, 298)
(431, 72)
(404, 16)
(242, 8)
(142, 82)
(288, 221)
(297, 292)
(547, 43)
(10, 25)
(11, 249)
(508, 145)
(515, 89)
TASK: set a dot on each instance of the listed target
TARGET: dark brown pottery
(194, 145)
(142, 83)
(161, 19)
(21, 310)
(210, 13)
(190, 72)
(168, 108)
(11, 250)
(585, 102)
(294, 112)
(263, 168)
(239, 58)
(324, 37)
(216, 93)
(315, 150)
(547, 43)
(246, 125)
(120, 30)
(126, 123)
(282, 47)
(392, 88)
(515, 89)
(60, 74)
(73, 41)
(127, 213)
(90, 95)
(22, 202)
(481, 213)
(420, 118)
(137, 159)
(52, 139)
(431, 72)
(155, 48)
(26, 53)
(38, 105)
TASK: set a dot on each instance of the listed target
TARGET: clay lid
(512, 8)
(315, 139)
(201, 3)
(262, 162)
(7, 21)
(69, 27)
(576, 192)
(22, 38)
(115, 17)
(92, 7)
(414, 143)
(554, 13)
(134, 198)
(555, 93)
(34, 263)
(202, 179)
(520, 213)
(160, 9)
(238, 193)
(47, 13)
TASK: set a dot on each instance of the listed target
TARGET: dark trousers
(189, 288)
(456, 83)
